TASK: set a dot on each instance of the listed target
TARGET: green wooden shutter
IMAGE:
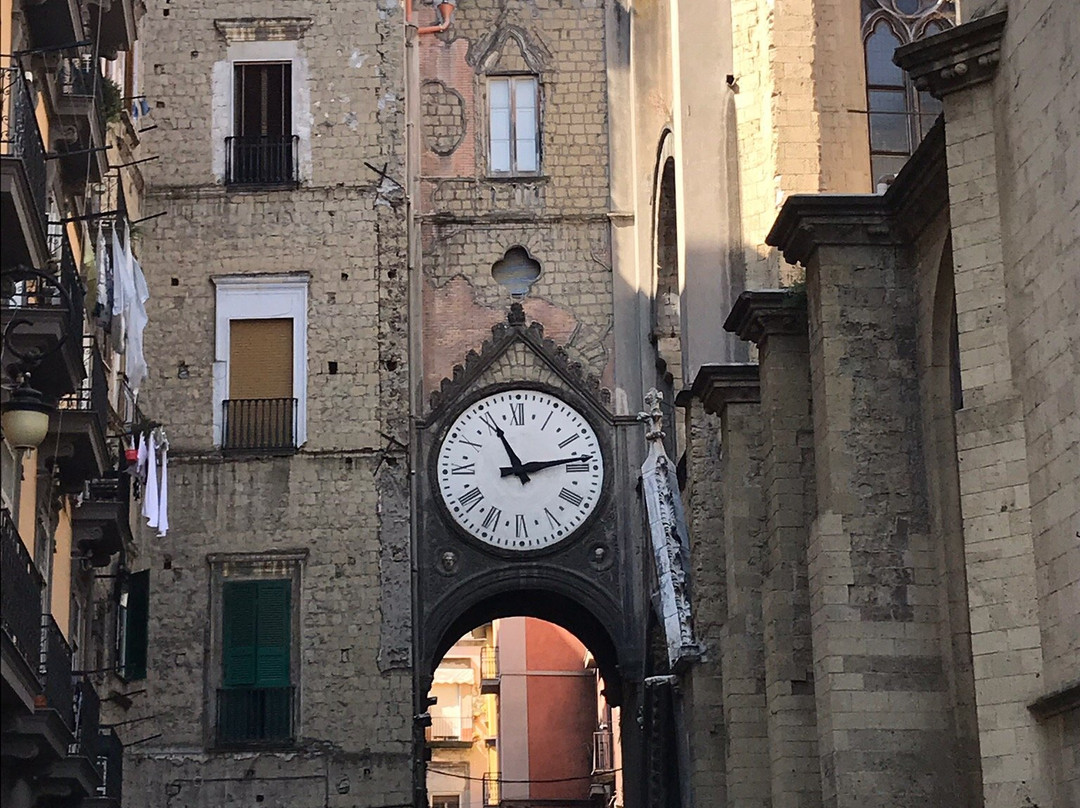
(240, 619)
(272, 650)
(136, 625)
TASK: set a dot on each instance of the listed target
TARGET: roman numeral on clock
(491, 521)
(575, 468)
(471, 498)
(489, 422)
(564, 443)
(468, 468)
(571, 497)
(520, 528)
(517, 414)
(470, 443)
(553, 522)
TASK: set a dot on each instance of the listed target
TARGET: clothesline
(152, 469)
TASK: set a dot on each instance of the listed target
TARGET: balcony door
(260, 411)
(262, 144)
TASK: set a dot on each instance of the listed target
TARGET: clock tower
(526, 503)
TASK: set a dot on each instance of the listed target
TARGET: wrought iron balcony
(80, 102)
(603, 752)
(258, 425)
(78, 773)
(101, 521)
(77, 431)
(20, 612)
(255, 716)
(110, 760)
(45, 313)
(22, 158)
(54, 669)
(489, 670)
(492, 790)
(262, 161)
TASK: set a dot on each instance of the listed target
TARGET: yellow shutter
(261, 359)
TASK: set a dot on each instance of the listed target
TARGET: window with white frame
(260, 367)
(513, 124)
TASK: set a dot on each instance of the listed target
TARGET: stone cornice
(955, 59)
(719, 385)
(761, 313)
(263, 29)
(918, 194)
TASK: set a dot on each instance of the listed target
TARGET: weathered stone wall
(344, 497)
(470, 217)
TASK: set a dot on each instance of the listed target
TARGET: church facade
(420, 268)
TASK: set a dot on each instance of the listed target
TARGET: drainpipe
(446, 14)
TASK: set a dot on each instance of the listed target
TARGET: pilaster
(881, 696)
(776, 322)
(731, 391)
(959, 67)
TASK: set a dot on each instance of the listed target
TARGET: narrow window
(134, 623)
(513, 125)
(262, 150)
(255, 703)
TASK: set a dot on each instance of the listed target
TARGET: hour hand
(538, 465)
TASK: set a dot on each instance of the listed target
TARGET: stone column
(776, 322)
(882, 708)
(731, 391)
(1007, 647)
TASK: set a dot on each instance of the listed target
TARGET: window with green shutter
(255, 702)
(135, 627)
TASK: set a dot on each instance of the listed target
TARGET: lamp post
(25, 418)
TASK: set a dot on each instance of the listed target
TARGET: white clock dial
(520, 470)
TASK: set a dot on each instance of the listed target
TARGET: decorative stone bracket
(956, 59)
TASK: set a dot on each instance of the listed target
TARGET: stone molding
(956, 59)
(720, 385)
(761, 313)
(919, 194)
(1062, 700)
(262, 29)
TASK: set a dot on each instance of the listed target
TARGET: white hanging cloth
(150, 496)
(140, 459)
(163, 493)
(119, 286)
(135, 314)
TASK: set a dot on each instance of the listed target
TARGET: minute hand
(538, 465)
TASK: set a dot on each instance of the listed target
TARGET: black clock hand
(538, 465)
(515, 462)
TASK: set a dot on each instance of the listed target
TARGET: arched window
(899, 115)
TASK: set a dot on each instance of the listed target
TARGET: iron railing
(265, 160)
(253, 716)
(20, 594)
(31, 292)
(603, 751)
(450, 728)
(92, 394)
(489, 663)
(258, 424)
(110, 761)
(80, 77)
(492, 790)
(116, 488)
(20, 136)
(54, 670)
(87, 722)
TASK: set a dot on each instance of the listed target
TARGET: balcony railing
(87, 722)
(489, 663)
(19, 133)
(20, 594)
(92, 394)
(603, 751)
(54, 670)
(80, 77)
(262, 160)
(259, 425)
(450, 728)
(110, 761)
(255, 716)
(492, 790)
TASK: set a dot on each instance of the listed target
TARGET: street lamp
(25, 417)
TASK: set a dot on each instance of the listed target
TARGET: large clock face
(520, 470)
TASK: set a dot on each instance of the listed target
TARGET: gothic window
(899, 116)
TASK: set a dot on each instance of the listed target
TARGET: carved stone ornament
(956, 59)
